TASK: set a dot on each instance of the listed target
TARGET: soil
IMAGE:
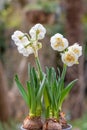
(33, 123)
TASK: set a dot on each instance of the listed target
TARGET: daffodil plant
(28, 44)
(55, 90)
(47, 88)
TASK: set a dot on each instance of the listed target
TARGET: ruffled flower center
(59, 42)
(38, 31)
(76, 51)
(70, 58)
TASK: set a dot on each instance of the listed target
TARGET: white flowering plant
(45, 88)
(55, 92)
(29, 44)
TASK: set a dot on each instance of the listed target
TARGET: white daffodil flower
(19, 38)
(69, 58)
(25, 51)
(37, 32)
(30, 49)
(25, 45)
(58, 42)
(36, 46)
(76, 49)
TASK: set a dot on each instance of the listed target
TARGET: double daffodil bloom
(69, 58)
(21, 41)
(28, 45)
(58, 42)
(76, 49)
(26, 51)
(20, 38)
(37, 32)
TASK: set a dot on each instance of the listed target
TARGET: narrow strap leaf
(29, 93)
(39, 69)
(39, 94)
(22, 90)
(66, 91)
(32, 97)
(61, 82)
(46, 98)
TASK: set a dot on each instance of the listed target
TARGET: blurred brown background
(68, 17)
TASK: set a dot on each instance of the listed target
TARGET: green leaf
(50, 88)
(54, 96)
(29, 93)
(31, 76)
(47, 112)
(40, 91)
(61, 82)
(32, 81)
(50, 94)
(32, 97)
(66, 91)
(46, 98)
(32, 86)
(22, 90)
(39, 69)
(36, 80)
(62, 77)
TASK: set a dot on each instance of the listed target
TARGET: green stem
(64, 70)
(32, 114)
(63, 76)
(38, 110)
(27, 45)
(56, 114)
(39, 68)
(27, 36)
(50, 113)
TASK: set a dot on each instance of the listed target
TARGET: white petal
(19, 38)
(66, 58)
(58, 35)
(25, 51)
(66, 43)
(34, 29)
(17, 34)
(30, 50)
(76, 49)
(62, 45)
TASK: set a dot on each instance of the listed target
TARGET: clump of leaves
(34, 92)
(55, 92)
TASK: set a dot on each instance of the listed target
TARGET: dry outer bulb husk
(62, 120)
(34, 123)
(52, 124)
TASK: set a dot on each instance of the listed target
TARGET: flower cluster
(48, 87)
(69, 55)
(29, 44)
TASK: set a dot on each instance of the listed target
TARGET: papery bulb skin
(52, 124)
(34, 123)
